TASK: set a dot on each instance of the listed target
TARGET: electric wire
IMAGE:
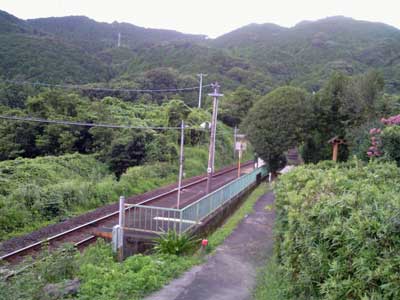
(104, 125)
(74, 123)
(80, 87)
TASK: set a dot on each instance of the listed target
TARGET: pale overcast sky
(209, 17)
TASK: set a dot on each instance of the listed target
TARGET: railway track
(81, 235)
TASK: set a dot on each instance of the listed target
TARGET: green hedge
(338, 231)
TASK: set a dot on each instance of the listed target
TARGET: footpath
(230, 273)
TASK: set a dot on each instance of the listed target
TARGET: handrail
(159, 219)
(217, 190)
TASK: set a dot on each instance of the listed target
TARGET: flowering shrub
(374, 151)
(394, 120)
(386, 141)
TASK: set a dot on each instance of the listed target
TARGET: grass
(246, 208)
(270, 282)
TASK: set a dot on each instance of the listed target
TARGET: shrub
(172, 243)
(391, 143)
(337, 231)
(137, 276)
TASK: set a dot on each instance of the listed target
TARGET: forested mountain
(94, 36)
(77, 49)
(11, 24)
(308, 53)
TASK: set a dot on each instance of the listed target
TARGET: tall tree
(278, 122)
(236, 106)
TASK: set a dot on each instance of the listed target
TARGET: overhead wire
(85, 124)
(104, 125)
(80, 87)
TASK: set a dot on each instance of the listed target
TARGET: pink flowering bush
(394, 120)
(387, 140)
(374, 150)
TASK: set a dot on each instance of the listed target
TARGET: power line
(73, 123)
(79, 87)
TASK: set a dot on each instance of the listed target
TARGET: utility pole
(181, 159)
(239, 160)
(119, 39)
(211, 151)
(234, 142)
(201, 86)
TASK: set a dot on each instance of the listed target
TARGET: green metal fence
(159, 219)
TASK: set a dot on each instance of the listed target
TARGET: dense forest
(259, 56)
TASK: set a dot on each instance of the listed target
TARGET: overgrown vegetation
(271, 283)
(337, 231)
(35, 192)
(100, 276)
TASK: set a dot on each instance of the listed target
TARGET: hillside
(11, 24)
(95, 36)
(308, 52)
(77, 49)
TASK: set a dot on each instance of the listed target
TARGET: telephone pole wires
(201, 86)
(211, 151)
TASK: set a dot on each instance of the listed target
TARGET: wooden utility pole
(181, 160)
(211, 151)
(201, 86)
(240, 157)
(234, 142)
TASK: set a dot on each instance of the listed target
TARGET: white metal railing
(160, 219)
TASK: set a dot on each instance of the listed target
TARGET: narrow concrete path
(230, 274)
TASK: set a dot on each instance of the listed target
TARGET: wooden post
(335, 142)
(335, 151)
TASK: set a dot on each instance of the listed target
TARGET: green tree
(236, 106)
(127, 151)
(344, 103)
(177, 111)
(278, 122)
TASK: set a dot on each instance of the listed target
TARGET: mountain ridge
(259, 56)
